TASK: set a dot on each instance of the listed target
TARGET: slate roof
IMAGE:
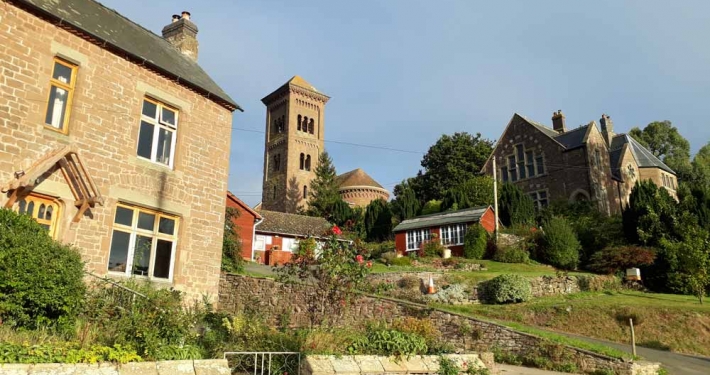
(356, 177)
(468, 215)
(644, 157)
(573, 138)
(293, 224)
(114, 30)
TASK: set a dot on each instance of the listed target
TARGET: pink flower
(336, 230)
(359, 259)
(369, 264)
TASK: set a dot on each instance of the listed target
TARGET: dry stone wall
(196, 367)
(274, 300)
(372, 365)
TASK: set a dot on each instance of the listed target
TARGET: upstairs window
(299, 123)
(158, 131)
(61, 91)
(42, 209)
(504, 174)
(277, 162)
(523, 164)
(305, 192)
(540, 163)
(311, 126)
(597, 158)
(308, 162)
(302, 161)
(143, 243)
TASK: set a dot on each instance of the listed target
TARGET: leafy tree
(691, 271)
(559, 246)
(41, 280)
(232, 260)
(612, 260)
(666, 143)
(650, 214)
(701, 166)
(475, 242)
(452, 160)
(336, 274)
(695, 199)
(514, 206)
(324, 189)
(431, 207)
(378, 220)
(405, 204)
(474, 192)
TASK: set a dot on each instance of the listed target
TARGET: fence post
(633, 337)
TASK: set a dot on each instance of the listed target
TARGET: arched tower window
(305, 124)
(305, 192)
(299, 122)
(303, 161)
(311, 126)
(308, 162)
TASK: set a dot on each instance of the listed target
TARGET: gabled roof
(356, 177)
(243, 205)
(292, 224)
(644, 157)
(573, 138)
(468, 215)
(128, 39)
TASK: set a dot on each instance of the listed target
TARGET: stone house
(583, 164)
(115, 140)
(447, 227)
(294, 139)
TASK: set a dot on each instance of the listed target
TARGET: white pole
(495, 195)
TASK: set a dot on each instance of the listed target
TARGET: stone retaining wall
(274, 300)
(370, 364)
(196, 367)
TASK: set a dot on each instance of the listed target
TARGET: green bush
(431, 249)
(388, 257)
(70, 352)
(379, 249)
(559, 244)
(511, 254)
(42, 280)
(402, 262)
(475, 242)
(507, 288)
(383, 341)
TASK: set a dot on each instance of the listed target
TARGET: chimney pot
(186, 15)
(182, 35)
(176, 17)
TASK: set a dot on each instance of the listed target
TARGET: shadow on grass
(655, 344)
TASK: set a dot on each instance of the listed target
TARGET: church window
(299, 122)
(522, 164)
(305, 192)
(43, 210)
(311, 126)
(277, 162)
(530, 163)
(304, 127)
(597, 158)
(540, 165)
(308, 162)
(512, 169)
(302, 165)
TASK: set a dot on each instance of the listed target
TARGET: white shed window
(453, 234)
(416, 237)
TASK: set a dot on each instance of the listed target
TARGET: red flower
(359, 259)
(369, 263)
(336, 230)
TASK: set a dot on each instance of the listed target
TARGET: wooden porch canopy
(80, 182)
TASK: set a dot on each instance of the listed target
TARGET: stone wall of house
(199, 367)
(274, 300)
(104, 125)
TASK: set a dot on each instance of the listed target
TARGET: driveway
(675, 363)
(517, 370)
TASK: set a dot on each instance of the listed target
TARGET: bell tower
(293, 142)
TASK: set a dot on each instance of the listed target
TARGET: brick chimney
(558, 121)
(182, 33)
(607, 129)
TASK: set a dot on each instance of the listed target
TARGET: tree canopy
(378, 220)
(474, 192)
(666, 143)
(405, 204)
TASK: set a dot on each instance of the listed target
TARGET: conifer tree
(324, 189)
(378, 220)
(405, 205)
(514, 206)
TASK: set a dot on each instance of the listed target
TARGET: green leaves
(378, 220)
(507, 288)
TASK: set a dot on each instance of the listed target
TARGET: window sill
(162, 168)
(120, 276)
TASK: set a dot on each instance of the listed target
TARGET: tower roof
(299, 82)
(356, 177)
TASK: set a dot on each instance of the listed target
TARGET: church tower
(293, 142)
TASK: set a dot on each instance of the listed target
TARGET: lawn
(664, 321)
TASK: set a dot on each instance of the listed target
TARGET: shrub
(42, 280)
(450, 294)
(598, 283)
(409, 282)
(559, 247)
(432, 248)
(378, 250)
(69, 352)
(511, 254)
(422, 327)
(450, 263)
(507, 288)
(383, 341)
(388, 257)
(616, 259)
(475, 242)
(402, 262)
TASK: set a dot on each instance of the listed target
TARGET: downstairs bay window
(143, 243)
(416, 237)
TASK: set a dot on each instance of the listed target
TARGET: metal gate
(264, 363)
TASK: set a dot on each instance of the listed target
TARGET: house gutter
(253, 235)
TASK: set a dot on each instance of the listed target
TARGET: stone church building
(588, 163)
(295, 128)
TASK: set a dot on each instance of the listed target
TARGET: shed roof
(468, 215)
(293, 224)
(112, 29)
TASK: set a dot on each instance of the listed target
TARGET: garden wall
(371, 365)
(196, 367)
(274, 301)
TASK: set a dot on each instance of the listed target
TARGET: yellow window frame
(69, 88)
(41, 205)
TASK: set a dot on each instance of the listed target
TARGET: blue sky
(401, 73)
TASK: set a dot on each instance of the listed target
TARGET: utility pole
(495, 194)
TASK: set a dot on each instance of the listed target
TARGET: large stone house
(295, 137)
(583, 164)
(115, 140)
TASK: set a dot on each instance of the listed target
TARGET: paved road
(517, 370)
(675, 363)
